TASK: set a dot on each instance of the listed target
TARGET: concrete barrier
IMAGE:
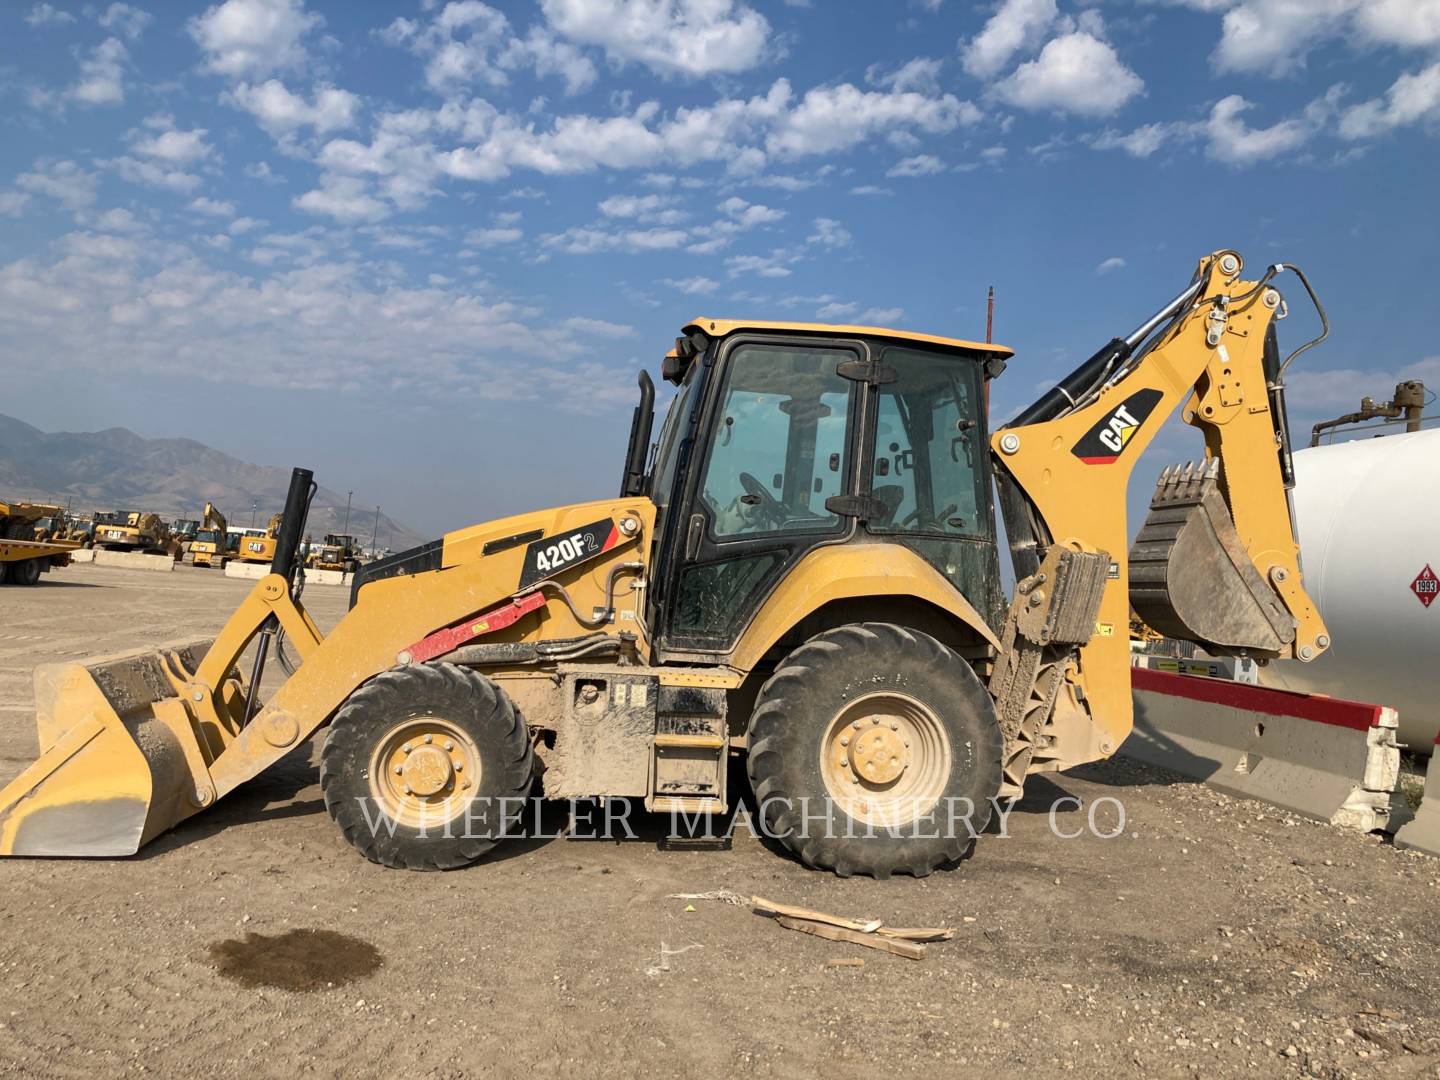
(1325, 758)
(1423, 832)
(125, 560)
(256, 571)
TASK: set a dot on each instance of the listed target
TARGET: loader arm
(1217, 562)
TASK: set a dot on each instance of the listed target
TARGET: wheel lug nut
(408, 791)
(856, 725)
(459, 765)
(429, 739)
(894, 727)
(875, 720)
(844, 740)
(464, 783)
(407, 748)
(398, 770)
(449, 746)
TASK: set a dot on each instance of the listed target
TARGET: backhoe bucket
(119, 757)
(1191, 577)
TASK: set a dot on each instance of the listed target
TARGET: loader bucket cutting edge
(1191, 577)
(113, 771)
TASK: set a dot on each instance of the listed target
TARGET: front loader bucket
(1191, 577)
(119, 756)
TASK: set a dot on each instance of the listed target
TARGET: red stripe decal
(1101, 460)
(1260, 699)
(612, 539)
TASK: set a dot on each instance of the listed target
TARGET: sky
(425, 248)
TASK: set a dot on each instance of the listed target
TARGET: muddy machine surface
(804, 571)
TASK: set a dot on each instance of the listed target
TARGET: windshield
(662, 474)
(206, 536)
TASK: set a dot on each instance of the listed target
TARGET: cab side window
(926, 470)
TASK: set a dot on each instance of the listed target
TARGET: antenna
(990, 316)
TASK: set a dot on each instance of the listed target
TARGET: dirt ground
(1212, 937)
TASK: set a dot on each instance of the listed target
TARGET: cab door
(778, 433)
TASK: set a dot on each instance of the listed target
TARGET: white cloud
(1076, 73)
(45, 15)
(1142, 142)
(13, 203)
(347, 199)
(1316, 392)
(129, 22)
(1115, 262)
(102, 75)
(634, 206)
(921, 74)
(330, 324)
(494, 237)
(593, 241)
(829, 233)
(1413, 98)
(469, 42)
(242, 225)
(63, 181)
(253, 38)
(919, 165)
(881, 316)
(1232, 141)
(153, 173)
(281, 112)
(871, 189)
(599, 328)
(688, 38)
(213, 207)
(260, 170)
(774, 265)
(118, 220)
(1017, 26)
(694, 286)
(833, 118)
(171, 145)
(748, 215)
(1275, 37)
(837, 309)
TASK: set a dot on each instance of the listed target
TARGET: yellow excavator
(208, 546)
(804, 572)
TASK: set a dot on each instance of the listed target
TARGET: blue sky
(425, 247)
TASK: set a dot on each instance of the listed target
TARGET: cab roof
(717, 328)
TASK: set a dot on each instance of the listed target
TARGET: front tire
(424, 765)
(875, 750)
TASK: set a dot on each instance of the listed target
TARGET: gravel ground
(1210, 937)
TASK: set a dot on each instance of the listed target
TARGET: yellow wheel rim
(424, 771)
(885, 759)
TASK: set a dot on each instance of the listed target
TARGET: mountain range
(116, 469)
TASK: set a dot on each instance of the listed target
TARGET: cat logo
(1103, 443)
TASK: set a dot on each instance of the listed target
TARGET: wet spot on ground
(300, 960)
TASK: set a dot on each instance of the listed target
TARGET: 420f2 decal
(1103, 443)
(549, 555)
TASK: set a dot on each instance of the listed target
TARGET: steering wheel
(940, 520)
(769, 506)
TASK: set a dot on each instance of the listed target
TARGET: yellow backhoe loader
(805, 572)
(208, 546)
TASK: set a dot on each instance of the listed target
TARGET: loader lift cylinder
(287, 543)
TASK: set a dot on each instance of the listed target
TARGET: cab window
(928, 464)
(778, 443)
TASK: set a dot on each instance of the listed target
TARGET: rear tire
(431, 749)
(875, 750)
(25, 572)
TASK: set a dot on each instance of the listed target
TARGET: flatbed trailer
(23, 561)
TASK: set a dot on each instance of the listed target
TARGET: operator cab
(786, 437)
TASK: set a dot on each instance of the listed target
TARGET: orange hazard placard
(1426, 586)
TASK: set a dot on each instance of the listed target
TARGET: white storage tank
(1368, 515)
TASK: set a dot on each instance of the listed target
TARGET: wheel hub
(427, 770)
(877, 755)
(420, 769)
